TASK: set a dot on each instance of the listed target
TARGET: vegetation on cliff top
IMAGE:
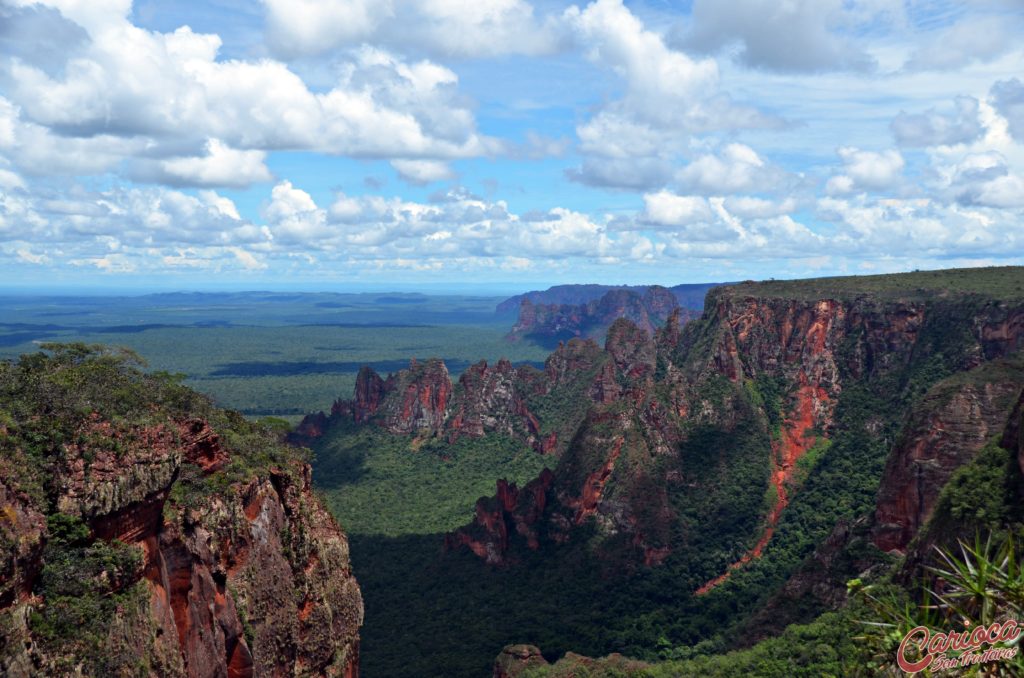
(997, 282)
(61, 410)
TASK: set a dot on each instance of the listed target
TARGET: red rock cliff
(945, 431)
(242, 571)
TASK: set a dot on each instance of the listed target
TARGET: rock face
(422, 400)
(945, 431)
(650, 393)
(514, 660)
(240, 569)
(689, 296)
(648, 310)
(1013, 434)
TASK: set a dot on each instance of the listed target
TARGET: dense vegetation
(379, 484)
(650, 613)
(271, 353)
(436, 613)
(998, 282)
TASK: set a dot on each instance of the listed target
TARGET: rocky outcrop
(416, 400)
(944, 432)
(493, 399)
(510, 511)
(422, 400)
(648, 310)
(22, 536)
(622, 422)
(514, 660)
(239, 570)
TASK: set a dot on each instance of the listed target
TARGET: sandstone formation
(222, 559)
(648, 310)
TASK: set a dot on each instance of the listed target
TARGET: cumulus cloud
(800, 35)
(422, 171)
(736, 169)
(460, 28)
(1008, 99)
(983, 179)
(668, 97)
(749, 207)
(221, 166)
(127, 89)
(869, 228)
(972, 39)
(866, 171)
(934, 127)
(39, 35)
(668, 209)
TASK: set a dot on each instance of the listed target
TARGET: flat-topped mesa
(648, 309)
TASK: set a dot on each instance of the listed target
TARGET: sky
(328, 144)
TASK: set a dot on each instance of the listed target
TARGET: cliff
(423, 402)
(943, 432)
(144, 532)
(688, 296)
(550, 323)
(768, 364)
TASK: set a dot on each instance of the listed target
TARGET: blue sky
(504, 143)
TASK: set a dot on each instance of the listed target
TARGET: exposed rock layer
(241, 573)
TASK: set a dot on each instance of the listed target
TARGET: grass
(998, 282)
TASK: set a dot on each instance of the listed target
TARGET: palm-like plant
(974, 584)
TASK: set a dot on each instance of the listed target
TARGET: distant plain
(271, 353)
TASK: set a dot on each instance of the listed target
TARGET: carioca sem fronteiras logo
(935, 646)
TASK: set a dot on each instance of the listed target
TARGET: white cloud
(1008, 98)
(921, 227)
(221, 166)
(973, 38)
(933, 127)
(94, 15)
(737, 169)
(866, 170)
(668, 97)
(10, 181)
(293, 216)
(422, 171)
(747, 207)
(31, 258)
(668, 209)
(222, 205)
(247, 259)
(798, 35)
(130, 92)
(459, 28)
(983, 179)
